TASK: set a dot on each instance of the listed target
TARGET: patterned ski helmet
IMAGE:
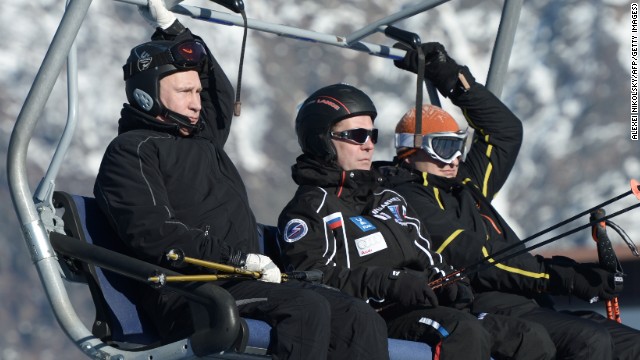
(148, 63)
(323, 109)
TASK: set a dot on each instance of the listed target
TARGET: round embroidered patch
(295, 230)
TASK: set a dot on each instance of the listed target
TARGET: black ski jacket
(463, 224)
(162, 191)
(355, 231)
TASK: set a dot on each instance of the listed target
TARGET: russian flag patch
(334, 221)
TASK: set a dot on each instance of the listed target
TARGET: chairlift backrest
(118, 319)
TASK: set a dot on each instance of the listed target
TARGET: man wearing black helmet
(369, 243)
(166, 182)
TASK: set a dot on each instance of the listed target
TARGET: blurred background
(568, 80)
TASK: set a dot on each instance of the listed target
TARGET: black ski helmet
(148, 63)
(323, 109)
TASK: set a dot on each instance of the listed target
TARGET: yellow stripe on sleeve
(449, 240)
(515, 270)
(436, 192)
(485, 182)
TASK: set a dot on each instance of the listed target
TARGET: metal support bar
(499, 59)
(34, 233)
(281, 30)
(33, 106)
(44, 191)
(388, 20)
(503, 45)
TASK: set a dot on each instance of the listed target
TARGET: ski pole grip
(403, 36)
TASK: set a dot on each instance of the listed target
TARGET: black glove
(408, 288)
(586, 281)
(456, 295)
(439, 68)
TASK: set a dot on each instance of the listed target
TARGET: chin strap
(182, 120)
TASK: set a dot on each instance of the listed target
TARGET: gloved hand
(439, 68)
(408, 289)
(589, 282)
(256, 262)
(457, 295)
(156, 14)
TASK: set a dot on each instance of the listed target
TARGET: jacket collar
(134, 119)
(353, 185)
(397, 174)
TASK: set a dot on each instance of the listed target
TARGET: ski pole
(607, 259)
(635, 189)
(162, 279)
(178, 257)
(489, 260)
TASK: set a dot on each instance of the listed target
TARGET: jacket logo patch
(370, 244)
(295, 230)
(395, 210)
(362, 223)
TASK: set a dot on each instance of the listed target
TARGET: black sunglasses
(358, 136)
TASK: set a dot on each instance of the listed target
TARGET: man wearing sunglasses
(453, 199)
(166, 183)
(370, 244)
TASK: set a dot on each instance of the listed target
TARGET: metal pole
(44, 191)
(503, 45)
(400, 15)
(281, 30)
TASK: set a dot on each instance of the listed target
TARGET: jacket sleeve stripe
(485, 182)
(323, 199)
(436, 193)
(330, 233)
(427, 252)
(511, 269)
(449, 240)
(346, 246)
(140, 162)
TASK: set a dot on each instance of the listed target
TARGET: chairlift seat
(121, 322)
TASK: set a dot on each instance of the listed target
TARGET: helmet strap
(181, 120)
(406, 153)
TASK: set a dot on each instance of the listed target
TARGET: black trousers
(312, 321)
(576, 334)
(469, 337)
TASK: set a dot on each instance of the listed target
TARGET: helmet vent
(144, 100)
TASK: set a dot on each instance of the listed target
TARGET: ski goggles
(358, 136)
(188, 54)
(442, 146)
(185, 55)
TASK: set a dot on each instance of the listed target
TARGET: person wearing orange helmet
(452, 189)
